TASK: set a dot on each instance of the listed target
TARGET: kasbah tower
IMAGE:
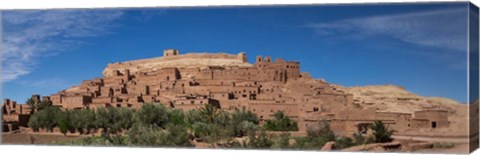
(230, 82)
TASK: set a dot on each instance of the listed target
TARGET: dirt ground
(458, 148)
(26, 139)
(46, 139)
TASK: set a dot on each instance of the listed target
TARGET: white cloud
(438, 28)
(46, 83)
(28, 36)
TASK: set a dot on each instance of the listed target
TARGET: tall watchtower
(170, 52)
(242, 56)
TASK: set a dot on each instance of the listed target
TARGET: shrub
(343, 142)
(151, 135)
(322, 131)
(260, 140)
(194, 116)
(316, 137)
(103, 140)
(443, 145)
(281, 122)
(211, 133)
(282, 141)
(309, 143)
(176, 117)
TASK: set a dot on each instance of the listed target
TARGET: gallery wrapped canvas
(400, 77)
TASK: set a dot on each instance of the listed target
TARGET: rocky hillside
(391, 98)
(189, 60)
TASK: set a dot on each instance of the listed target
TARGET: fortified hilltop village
(230, 82)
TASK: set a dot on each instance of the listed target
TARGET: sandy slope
(393, 98)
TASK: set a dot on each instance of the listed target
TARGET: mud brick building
(14, 115)
(230, 82)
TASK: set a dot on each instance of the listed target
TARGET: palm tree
(38, 105)
(43, 104)
(210, 112)
(381, 132)
(32, 104)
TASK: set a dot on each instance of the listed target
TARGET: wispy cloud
(437, 28)
(46, 83)
(148, 14)
(28, 36)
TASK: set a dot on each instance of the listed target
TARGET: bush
(151, 135)
(316, 137)
(282, 141)
(443, 145)
(281, 122)
(260, 140)
(309, 143)
(104, 140)
(343, 142)
(194, 116)
(211, 133)
(214, 125)
(176, 117)
(322, 131)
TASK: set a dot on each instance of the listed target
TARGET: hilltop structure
(230, 82)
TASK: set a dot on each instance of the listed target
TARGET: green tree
(63, 121)
(194, 116)
(381, 132)
(34, 122)
(316, 137)
(102, 119)
(176, 116)
(211, 124)
(122, 119)
(31, 103)
(152, 114)
(210, 112)
(37, 105)
(43, 104)
(242, 122)
(45, 118)
(83, 120)
(281, 122)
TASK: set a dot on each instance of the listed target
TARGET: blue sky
(421, 47)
